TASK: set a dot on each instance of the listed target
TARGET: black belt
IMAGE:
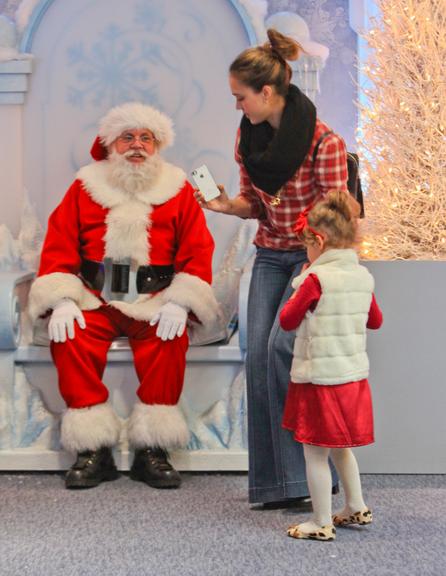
(148, 278)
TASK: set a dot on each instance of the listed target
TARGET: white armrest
(14, 287)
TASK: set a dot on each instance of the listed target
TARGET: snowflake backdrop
(328, 23)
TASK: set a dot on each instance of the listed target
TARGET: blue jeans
(276, 460)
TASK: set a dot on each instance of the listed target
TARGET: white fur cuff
(90, 428)
(157, 425)
(193, 293)
(47, 290)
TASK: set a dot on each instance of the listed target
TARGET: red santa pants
(81, 362)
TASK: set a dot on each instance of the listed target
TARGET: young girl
(328, 406)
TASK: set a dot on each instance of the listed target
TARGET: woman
(278, 180)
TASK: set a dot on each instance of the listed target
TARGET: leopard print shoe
(361, 518)
(322, 533)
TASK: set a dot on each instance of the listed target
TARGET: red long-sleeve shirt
(307, 297)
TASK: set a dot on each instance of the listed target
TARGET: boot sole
(79, 484)
(170, 484)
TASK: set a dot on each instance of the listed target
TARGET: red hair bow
(302, 223)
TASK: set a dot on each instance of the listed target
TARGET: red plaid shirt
(309, 184)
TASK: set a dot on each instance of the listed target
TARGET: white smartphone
(205, 183)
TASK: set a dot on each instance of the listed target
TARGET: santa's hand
(65, 312)
(171, 320)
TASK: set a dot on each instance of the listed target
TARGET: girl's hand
(304, 267)
(220, 204)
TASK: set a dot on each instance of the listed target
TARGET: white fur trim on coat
(134, 115)
(187, 290)
(127, 232)
(90, 428)
(193, 293)
(49, 289)
(157, 425)
(94, 177)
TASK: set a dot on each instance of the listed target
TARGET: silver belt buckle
(128, 271)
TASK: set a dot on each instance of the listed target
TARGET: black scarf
(272, 158)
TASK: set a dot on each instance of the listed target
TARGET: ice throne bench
(213, 399)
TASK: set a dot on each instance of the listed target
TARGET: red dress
(334, 416)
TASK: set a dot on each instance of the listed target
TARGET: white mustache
(136, 153)
(131, 177)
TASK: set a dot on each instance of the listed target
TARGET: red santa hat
(131, 116)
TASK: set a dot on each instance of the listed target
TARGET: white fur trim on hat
(157, 425)
(134, 115)
(90, 428)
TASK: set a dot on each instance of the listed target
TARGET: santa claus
(127, 253)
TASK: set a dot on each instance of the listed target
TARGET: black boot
(91, 468)
(151, 466)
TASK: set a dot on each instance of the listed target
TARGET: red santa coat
(163, 225)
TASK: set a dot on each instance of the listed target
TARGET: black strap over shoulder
(353, 181)
(319, 142)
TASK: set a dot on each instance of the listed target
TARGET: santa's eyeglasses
(129, 138)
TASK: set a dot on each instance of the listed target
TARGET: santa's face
(134, 161)
(136, 145)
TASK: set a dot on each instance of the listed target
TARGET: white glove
(171, 320)
(65, 312)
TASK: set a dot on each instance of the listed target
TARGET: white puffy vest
(330, 344)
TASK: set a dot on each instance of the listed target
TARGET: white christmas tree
(403, 132)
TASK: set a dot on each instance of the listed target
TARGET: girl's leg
(355, 511)
(319, 482)
(319, 527)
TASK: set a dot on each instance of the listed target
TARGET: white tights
(319, 481)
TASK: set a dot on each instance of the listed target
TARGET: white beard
(133, 178)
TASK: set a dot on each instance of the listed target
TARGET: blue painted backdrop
(328, 22)
(91, 54)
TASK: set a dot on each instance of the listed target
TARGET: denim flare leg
(276, 460)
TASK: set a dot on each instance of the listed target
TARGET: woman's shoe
(302, 503)
(361, 518)
(320, 532)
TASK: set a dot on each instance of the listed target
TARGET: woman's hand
(220, 204)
